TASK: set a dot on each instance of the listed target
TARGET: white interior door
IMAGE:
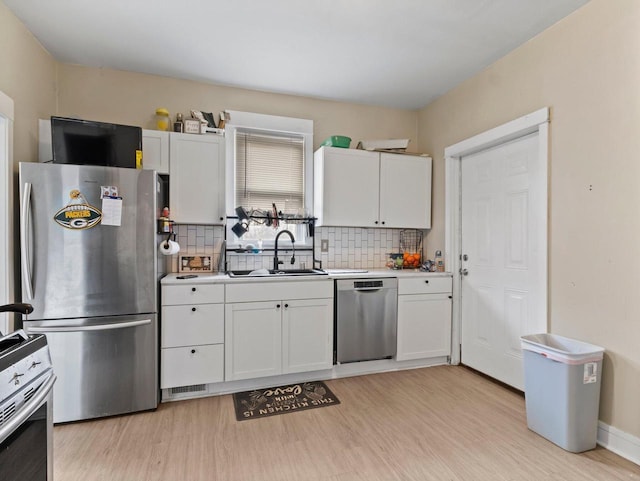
(503, 246)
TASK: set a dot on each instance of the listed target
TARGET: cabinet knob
(193, 289)
(382, 222)
(278, 306)
(221, 218)
(193, 309)
(376, 222)
(193, 351)
(286, 305)
(427, 281)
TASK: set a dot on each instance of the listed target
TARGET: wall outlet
(324, 245)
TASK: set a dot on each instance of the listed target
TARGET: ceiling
(400, 54)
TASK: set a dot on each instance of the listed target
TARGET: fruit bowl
(411, 260)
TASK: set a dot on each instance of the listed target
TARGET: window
(269, 170)
(269, 163)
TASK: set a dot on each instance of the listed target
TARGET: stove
(26, 422)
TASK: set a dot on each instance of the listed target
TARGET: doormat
(261, 403)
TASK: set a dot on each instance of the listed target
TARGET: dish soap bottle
(439, 262)
(164, 222)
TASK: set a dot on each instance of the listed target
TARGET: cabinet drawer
(424, 285)
(192, 324)
(192, 294)
(186, 366)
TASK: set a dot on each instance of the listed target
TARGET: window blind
(269, 169)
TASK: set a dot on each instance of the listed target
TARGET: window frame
(269, 125)
(7, 290)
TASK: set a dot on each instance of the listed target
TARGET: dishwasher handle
(368, 289)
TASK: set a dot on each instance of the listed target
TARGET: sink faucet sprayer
(277, 262)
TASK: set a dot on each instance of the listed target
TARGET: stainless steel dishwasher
(366, 319)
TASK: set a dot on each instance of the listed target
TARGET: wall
(586, 69)
(132, 98)
(27, 75)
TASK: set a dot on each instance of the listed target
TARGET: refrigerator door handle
(97, 327)
(24, 240)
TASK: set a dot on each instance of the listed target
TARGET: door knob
(464, 272)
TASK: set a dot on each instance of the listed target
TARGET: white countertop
(172, 279)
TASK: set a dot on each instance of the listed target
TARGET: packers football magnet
(78, 213)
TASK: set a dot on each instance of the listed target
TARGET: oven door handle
(97, 327)
(28, 409)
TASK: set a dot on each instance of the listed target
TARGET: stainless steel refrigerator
(88, 248)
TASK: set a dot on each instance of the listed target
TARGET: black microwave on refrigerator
(88, 142)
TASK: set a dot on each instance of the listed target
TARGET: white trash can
(562, 380)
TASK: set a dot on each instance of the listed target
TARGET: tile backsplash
(348, 247)
(354, 247)
(197, 239)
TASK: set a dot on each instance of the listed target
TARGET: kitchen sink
(276, 273)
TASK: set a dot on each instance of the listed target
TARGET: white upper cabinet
(155, 151)
(196, 183)
(358, 188)
(405, 191)
(346, 183)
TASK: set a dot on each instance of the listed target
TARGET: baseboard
(336, 372)
(619, 442)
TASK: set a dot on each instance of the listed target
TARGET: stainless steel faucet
(277, 262)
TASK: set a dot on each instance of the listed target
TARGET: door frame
(6, 206)
(537, 121)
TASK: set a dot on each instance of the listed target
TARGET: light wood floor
(440, 423)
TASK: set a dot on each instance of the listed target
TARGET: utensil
(275, 216)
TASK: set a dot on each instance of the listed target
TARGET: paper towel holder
(166, 242)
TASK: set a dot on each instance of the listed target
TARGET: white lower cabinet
(213, 332)
(424, 318)
(253, 334)
(272, 337)
(307, 335)
(192, 335)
